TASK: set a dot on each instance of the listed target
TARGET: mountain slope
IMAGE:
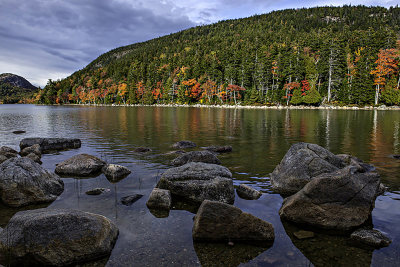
(301, 56)
(14, 88)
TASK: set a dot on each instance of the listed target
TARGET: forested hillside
(15, 89)
(339, 55)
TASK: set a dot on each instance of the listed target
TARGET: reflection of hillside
(329, 250)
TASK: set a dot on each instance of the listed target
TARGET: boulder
(24, 182)
(142, 150)
(197, 181)
(159, 199)
(341, 200)
(219, 149)
(3, 158)
(246, 192)
(7, 153)
(129, 200)
(80, 165)
(216, 221)
(57, 237)
(51, 144)
(34, 157)
(184, 144)
(6, 149)
(370, 237)
(196, 156)
(115, 172)
(96, 191)
(35, 149)
(19, 132)
(300, 165)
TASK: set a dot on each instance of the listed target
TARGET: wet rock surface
(57, 237)
(196, 156)
(196, 181)
(51, 144)
(80, 165)
(6, 149)
(247, 192)
(184, 144)
(34, 157)
(217, 221)
(302, 234)
(129, 200)
(115, 172)
(35, 149)
(370, 237)
(24, 182)
(218, 149)
(341, 200)
(159, 199)
(7, 153)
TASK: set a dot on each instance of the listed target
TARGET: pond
(259, 138)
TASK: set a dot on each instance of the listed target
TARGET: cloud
(50, 39)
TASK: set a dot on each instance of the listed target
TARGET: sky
(51, 39)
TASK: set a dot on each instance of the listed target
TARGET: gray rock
(159, 199)
(19, 132)
(129, 200)
(6, 149)
(184, 144)
(3, 158)
(197, 181)
(196, 156)
(115, 172)
(142, 150)
(382, 189)
(341, 200)
(246, 192)
(95, 192)
(216, 221)
(80, 165)
(370, 237)
(35, 149)
(34, 157)
(24, 182)
(219, 149)
(302, 163)
(57, 237)
(51, 144)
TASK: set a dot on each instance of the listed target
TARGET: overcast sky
(50, 39)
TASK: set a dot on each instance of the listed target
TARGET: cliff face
(16, 81)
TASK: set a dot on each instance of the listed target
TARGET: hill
(343, 55)
(14, 88)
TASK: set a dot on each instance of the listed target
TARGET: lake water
(259, 138)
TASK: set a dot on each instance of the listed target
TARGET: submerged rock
(24, 182)
(196, 181)
(142, 150)
(57, 237)
(19, 132)
(219, 149)
(303, 234)
(80, 165)
(50, 144)
(196, 156)
(371, 237)
(246, 192)
(35, 149)
(96, 191)
(159, 199)
(184, 144)
(341, 200)
(129, 200)
(115, 172)
(216, 221)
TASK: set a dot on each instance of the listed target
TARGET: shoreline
(275, 107)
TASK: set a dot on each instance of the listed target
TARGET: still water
(259, 138)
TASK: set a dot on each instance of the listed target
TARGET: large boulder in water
(196, 156)
(340, 200)
(305, 161)
(80, 165)
(50, 144)
(216, 221)
(196, 181)
(57, 237)
(24, 182)
(115, 172)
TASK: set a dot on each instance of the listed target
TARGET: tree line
(339, 55)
